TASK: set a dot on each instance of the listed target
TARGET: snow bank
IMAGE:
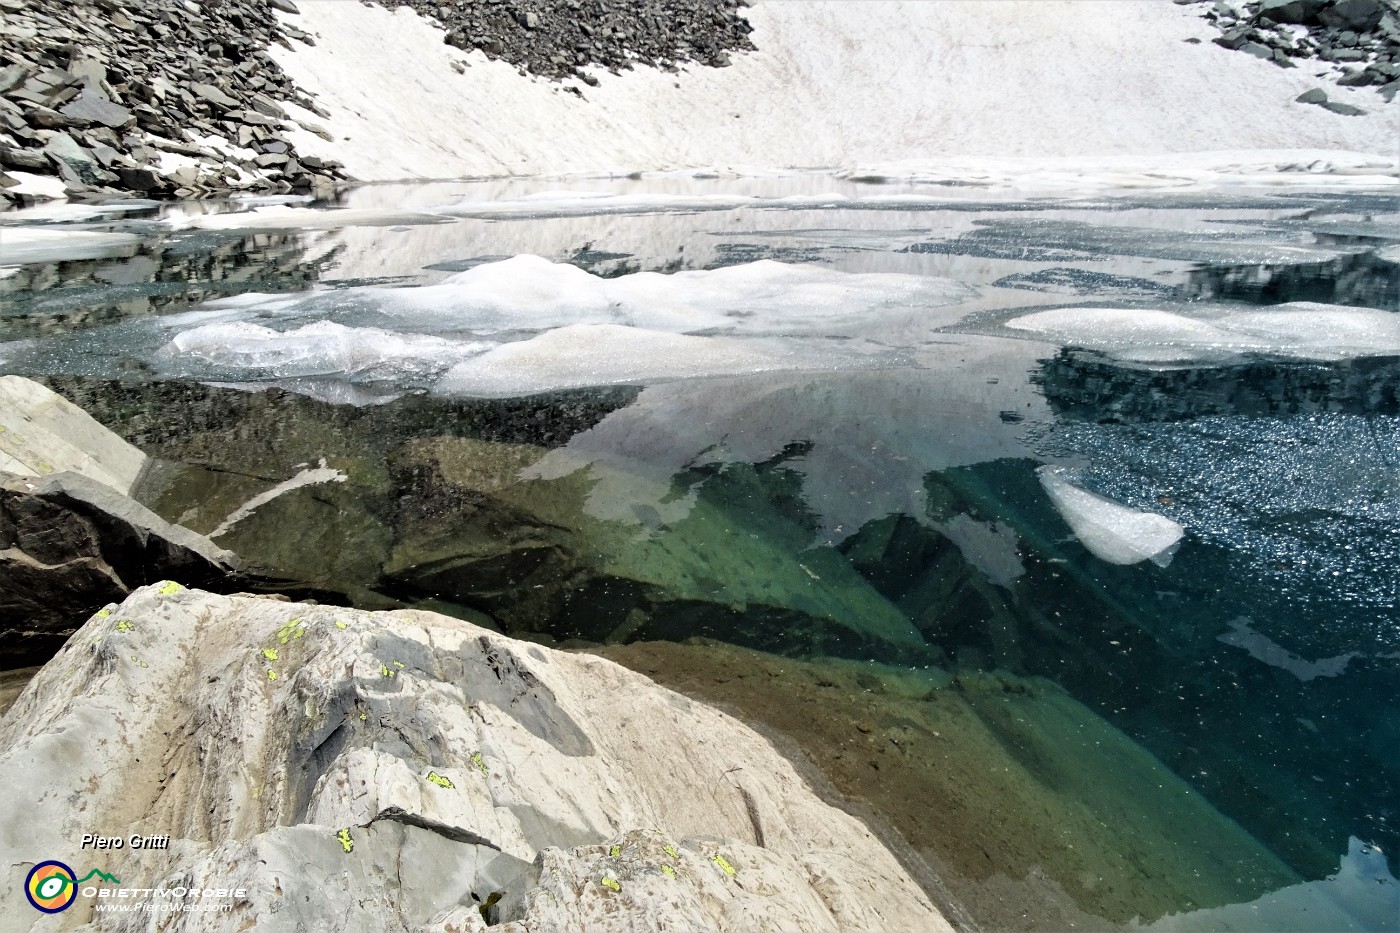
(838, 85)
(1110, 531)
(1299, 330)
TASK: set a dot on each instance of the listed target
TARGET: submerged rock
(435, 774)
(68, 544)
(1034, 813)
(41, 432)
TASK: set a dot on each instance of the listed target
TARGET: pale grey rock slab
(394, 771)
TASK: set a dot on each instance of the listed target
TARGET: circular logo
(51, 887)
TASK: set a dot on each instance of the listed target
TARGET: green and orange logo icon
(52, 886)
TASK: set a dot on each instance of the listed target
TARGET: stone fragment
(94, 107)
(1352, 14)
(253, 118)
(12, 76)
(1291, 11)
(267, 106)
(72, 544)
(63, 148)
(213, 95)
(139, 179)
(29, 160)
(1346, 110)
(52, 119)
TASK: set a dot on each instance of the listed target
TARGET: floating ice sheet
(25, 244)
(530, 294)
(546, 326)
(608, 354)
(1110, 531)
(275, 216)
(325, 348)
(1300, 330)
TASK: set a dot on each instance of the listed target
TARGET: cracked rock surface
(410, 771)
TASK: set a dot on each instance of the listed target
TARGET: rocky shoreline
(441, 776)
(307, 755)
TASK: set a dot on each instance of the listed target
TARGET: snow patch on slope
(833, 84)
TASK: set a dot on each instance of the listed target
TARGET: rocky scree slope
(1359, 40)
(160, 97)
(180, 97)
(559, 38)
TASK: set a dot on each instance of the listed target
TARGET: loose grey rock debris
(560, 38)
(96, 92)
(1361, 36)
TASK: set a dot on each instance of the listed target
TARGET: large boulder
(1356, 15)
(1291, 11)
(68, 544)
(347, 770)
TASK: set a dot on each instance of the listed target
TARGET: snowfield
(907, 90)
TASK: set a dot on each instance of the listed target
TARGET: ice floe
(1299, 330)
(24, 244)
(1110, 531)
(527, 293)
(277, 216)
(584, 355)
(241, 349)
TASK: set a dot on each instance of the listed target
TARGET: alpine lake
(916, 554)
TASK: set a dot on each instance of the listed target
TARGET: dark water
(895, 509)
